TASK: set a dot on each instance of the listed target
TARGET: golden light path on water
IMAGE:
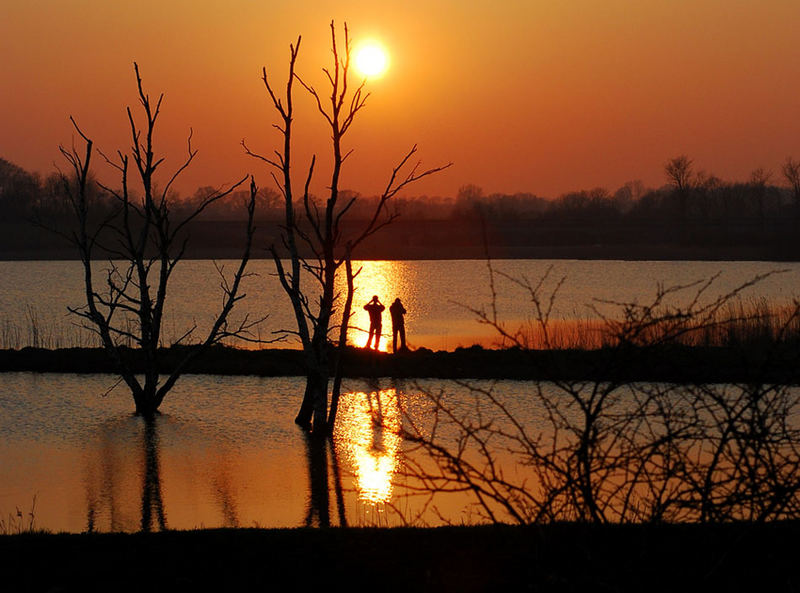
(368, 435)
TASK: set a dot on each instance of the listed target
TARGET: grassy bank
(558, 557)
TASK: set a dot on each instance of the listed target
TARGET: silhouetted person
(375, 309)
(398, 325)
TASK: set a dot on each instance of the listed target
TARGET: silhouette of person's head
(375, 299)
(397, 300)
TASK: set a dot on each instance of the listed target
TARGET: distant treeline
(693, 214)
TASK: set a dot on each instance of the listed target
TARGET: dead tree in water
(144, 244)
(317, 226)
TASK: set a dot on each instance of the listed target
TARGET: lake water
(225, 452)
(438, 295)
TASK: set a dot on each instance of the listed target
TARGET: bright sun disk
(371, 59)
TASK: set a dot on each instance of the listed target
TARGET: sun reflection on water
(368, 434)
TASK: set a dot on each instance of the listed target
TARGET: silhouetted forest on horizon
(693, 215)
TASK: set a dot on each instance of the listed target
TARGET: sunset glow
(371, 59)
(522, 97)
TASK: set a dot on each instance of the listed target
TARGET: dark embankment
(549, 558)
(670, 364)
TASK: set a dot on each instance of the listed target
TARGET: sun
(371, 59)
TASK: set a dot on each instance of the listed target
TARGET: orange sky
(522, 95)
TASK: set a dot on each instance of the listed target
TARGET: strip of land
(556, 557)
(676, 364)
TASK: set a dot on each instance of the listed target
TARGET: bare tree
(759, 180)
(679, 173)
(144, 244)
(318, 226)
(791, 172)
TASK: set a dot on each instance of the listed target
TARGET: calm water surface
(437, 294)
(225, 452)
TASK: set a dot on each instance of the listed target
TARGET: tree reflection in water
(169, 472)
(126, 442)
(102, 484)
(152, 501)
(318, 513)
(225, 496)
(366, 443)
(318, 510)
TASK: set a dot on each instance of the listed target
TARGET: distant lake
(438, 295)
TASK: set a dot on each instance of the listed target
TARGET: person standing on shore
(375, 309)
(398, 325)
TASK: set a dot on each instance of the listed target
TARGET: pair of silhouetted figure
(375, 309)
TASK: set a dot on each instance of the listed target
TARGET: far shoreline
(436, 240)
(598, 253)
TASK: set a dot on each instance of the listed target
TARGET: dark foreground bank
(738, 557)
(666, 363)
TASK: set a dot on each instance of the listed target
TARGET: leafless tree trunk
(791, 171)
(146, 244)
(759, 179)
(679, 173)
(343, 326)
(318, 227)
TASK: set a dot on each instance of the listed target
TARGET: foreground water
(440, 296)
(225, 452)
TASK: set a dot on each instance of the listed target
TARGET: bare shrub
(613, 450)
